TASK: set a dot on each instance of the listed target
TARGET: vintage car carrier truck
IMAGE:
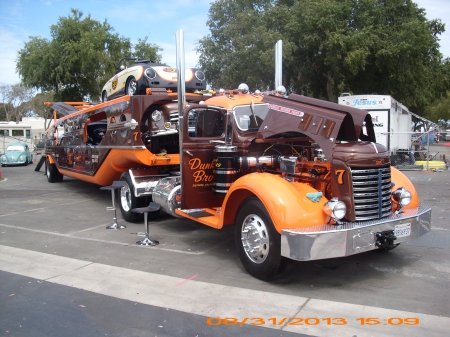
(299, 178)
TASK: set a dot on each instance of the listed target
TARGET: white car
(143, 74)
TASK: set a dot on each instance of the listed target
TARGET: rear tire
(128, 201)
(52, 172)
(257, 241)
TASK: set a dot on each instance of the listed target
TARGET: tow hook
(385, 240)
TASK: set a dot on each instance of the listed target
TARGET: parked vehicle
(143, 75)
(12, 132)
(299, 178)
(447, 134)
(17, 154)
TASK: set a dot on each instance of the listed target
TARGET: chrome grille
(371, 193)
(174, 117)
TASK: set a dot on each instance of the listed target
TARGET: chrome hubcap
(125, 198)
(132, 87)
(255, 238)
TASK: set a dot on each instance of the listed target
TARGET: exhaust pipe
(278, 64)
(181, 92)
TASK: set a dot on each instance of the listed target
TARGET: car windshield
(15, 148)
(250, 117)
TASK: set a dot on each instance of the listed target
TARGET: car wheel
(131, 87)
(52, 172)
(104, 98)
(128, 201)
(257, 241)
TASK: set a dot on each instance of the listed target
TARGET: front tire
(128, 201)
(257, 241)
(104, 98)
(52, 172)
(131, 86)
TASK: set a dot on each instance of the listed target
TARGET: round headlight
(337, 208)
(150, 73)
(156, 115)
(200, 75)
(402, 196)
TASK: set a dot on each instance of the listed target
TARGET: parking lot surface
(60, 268)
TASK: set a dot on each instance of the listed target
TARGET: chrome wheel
(131, 86)
(257, 241)
(128, 201)
(255, 238)
(125, 197)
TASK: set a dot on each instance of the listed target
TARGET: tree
(439, 112)
(41, 110)
(15, 99)
(144, 50)
(240, 46)
(329, 46)
(3, 110)
(81, 56)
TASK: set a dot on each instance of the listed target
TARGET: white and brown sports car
(143, 74)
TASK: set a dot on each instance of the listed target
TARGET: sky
(134, 19)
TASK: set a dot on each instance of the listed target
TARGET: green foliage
(81, 56)
(240, 45)
(144, 50)
(439, 112)
(329, 47)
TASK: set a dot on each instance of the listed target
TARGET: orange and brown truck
(299, 178)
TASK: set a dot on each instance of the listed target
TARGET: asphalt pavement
(62, 273)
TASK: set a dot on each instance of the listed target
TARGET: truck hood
(324, 122)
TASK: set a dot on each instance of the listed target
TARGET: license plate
(403, 230)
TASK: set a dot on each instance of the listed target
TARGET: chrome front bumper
(328, 241)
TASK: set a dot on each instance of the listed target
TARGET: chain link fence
(427, 151)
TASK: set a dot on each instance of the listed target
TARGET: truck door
(204, 128)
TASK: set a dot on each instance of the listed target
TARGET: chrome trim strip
(164, 132)
(84, 146)
(328, 241)
(374, 146)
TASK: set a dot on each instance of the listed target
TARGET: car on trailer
(145, 75)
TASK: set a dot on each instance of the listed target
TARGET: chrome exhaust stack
(181, 92)
(278, 64)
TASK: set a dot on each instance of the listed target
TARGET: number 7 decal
(340, 175)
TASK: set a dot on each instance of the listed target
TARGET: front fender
(400, 180)
(50, 158)
(286, 202)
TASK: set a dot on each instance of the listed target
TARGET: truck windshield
(250, 117)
